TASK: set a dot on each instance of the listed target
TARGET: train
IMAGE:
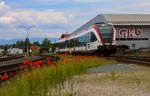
(97, 39)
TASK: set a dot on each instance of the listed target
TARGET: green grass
(48, 81)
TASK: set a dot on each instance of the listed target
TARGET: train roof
(73, 35)
(128, 19)
(117, 19)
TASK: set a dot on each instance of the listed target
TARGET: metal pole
(27, 43)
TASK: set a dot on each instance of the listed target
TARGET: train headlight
(114, 41)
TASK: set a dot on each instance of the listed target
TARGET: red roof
(34, 47)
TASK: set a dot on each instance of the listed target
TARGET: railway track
(10, 57)
(12, 65)
(142, 60)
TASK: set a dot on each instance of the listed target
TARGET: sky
(51, 18)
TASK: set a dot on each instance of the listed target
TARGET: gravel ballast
(113, 67)
(135, 82)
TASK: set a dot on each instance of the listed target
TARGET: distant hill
(4, 42)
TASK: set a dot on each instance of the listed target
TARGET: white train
(99, 39)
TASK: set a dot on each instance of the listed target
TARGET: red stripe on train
(95, 27)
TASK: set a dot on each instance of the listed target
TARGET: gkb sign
(130, 32)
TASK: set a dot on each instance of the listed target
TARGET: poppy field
(47, 78)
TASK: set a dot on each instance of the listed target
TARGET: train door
(92, 42)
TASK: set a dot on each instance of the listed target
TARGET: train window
(106, 33)
(93, 37)
(71, 43)
(62, 44)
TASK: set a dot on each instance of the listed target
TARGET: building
(133, 30)
(1, 51)
(15, 51)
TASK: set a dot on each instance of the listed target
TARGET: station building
(132, 30)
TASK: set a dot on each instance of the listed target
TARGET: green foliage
(43, 50)
(48, 81)
(20, 44)
(5, 50)
(46, 43)
(36, 43)
(36, 52)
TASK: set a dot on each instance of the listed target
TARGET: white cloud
(72, 18)
(11, 19)
(7, 20)
(3, 6)
(33, 17)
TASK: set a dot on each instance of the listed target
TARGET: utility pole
(27, 27)
(27, 41)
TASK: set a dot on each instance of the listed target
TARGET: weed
(113, 75)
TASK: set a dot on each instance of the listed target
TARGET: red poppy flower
(11, 73)
(46, 65)
(62, 59)
(66, 62)
(71, 61)
(19, 65)
(47, 58)
(30, 68)
(22, 67)
(30, 62)
(35, 63)
(26, 62)
(28, 76)
(40, 62)
(14, 76)
(20, 71)
(52, 63)
(4, 77)
(26, 68)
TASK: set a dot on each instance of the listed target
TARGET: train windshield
(106, 33)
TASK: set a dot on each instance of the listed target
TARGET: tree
(13, 45)
(20, 44)
(36, 43)
(46, 43)
(5, 50)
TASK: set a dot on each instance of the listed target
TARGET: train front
(107, 35)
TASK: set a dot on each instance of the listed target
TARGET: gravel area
(113, 67)
(118, 83)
